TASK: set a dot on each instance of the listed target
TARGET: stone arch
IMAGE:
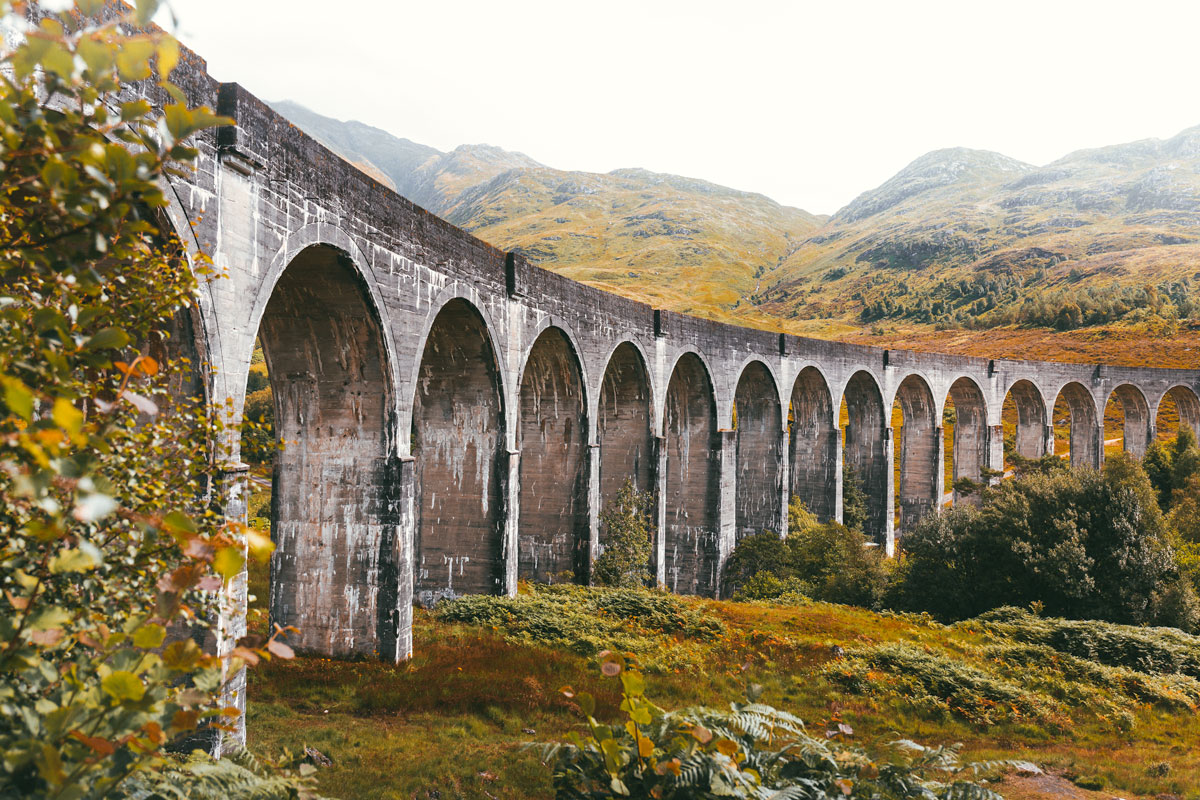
(691, 552)
(1024, 420)
(448, 295)
(1086, 447)
(552, 439)
(864, 449)
(623, 425)
(1177, 407)
(457, 444)
(814, 444)
(327, 360)
(759, 441)
(918, 452)
(969, 449)
(1129, 402)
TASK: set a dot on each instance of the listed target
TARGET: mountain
(969, 237)
(1101, 243)
(677, 242)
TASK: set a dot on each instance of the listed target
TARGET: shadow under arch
(758, 423)
(1128, 402)
(457, 445)
(1178, 407)
(813, 437)
(864, 450)
(1085, 440)
(623, 425)
(328, 367)
(918, 450)
(969, 428)
(553, 534)
(1024, 420)
(690, 551)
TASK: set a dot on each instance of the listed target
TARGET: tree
(854, 499)
(628, 542)
(1087, 545)
(110, 488)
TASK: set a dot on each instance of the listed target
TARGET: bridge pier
(726, 502)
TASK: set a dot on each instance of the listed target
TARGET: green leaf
(75, 559)
(47, 618)
(122, 685)
(149, 636)
(107, 339)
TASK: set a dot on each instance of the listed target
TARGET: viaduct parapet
(455, 418)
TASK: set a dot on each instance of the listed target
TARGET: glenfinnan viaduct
(455, 418)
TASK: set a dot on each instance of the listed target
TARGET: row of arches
(481, 503)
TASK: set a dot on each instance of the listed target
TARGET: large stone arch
(691, 548)
(624, 425)
(451, 293)
(1085, 437)
(1137, 423)
(865, 449)
(814, 444)
(919, 450)
(457, 445)
(969, 453)
(553, 528)
(759, 441)
(327, 359)
(1029, 418)
(1186, 405)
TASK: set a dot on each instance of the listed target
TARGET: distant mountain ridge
(673, 241)
(959, 237)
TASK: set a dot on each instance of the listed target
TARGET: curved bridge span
(456, 418)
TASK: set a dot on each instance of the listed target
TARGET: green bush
(937, 681)
(824, 561)
(627, 538)
(1149, 650)
(750, 751)
(590, 620)
(1087, 545)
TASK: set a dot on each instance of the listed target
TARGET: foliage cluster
(1086, 545)
(750, 751)
(658, 627)
(115, 551)
(824, 561)
(988, 300)
(627, 539)
(1150, 650)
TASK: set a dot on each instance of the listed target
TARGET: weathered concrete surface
(443, 446)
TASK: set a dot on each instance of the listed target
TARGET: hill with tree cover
(1066, 260)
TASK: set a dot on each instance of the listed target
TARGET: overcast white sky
(807, 103)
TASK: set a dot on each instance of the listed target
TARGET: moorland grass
(486, 676)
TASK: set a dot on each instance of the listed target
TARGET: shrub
(628, 540)
(1150, 650)
(1084, 544)
(590, 620)
(750, 751)
(854, 499)
(935, 680)
(824, 561)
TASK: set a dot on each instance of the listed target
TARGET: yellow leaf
(228, 562)
(149, 636)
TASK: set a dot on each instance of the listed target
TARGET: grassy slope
(451, 722)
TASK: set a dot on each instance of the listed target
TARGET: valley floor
(453, 721)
